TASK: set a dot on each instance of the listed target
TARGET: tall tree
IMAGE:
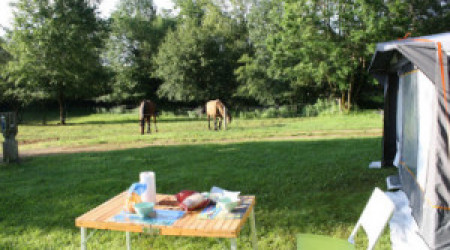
(197, 59)
(418, 17)
(55, 46)
(4, 55)
(312, 49)
(4, 58)
(13, 96)
(252, 72)
(322, 48)
(136, 32)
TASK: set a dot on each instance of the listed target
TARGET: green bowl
(144, 209)
(227, 204)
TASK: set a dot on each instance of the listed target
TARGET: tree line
(268, 52)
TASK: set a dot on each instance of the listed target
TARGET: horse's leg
(154, 120)
(215, 122)
(148, 125)
(142, 124)
(209, 122)
(220, 123)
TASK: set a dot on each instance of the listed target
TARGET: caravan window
(417, 95)
(410, 120)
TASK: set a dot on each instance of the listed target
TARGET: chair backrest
(373, 219)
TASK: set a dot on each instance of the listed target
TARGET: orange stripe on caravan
(441, 63)
(444, 85)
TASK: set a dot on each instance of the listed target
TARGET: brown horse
(146, 111)
(215, 109)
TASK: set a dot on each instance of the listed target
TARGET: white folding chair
(373, 219)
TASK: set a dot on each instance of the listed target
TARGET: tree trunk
(18, 114)
(349, 92)
(349, 97)
(343, 100)
(62, 111)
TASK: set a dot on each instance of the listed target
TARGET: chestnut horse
(215, 109)
(146, 111)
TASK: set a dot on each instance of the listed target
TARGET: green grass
(309, 186)
(123, 130)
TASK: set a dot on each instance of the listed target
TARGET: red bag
(183, 195)
(191, 200)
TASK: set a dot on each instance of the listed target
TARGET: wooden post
(9, 130)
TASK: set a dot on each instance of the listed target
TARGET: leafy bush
(269, 113)
(248, 114)
(194, 114)
(120, 109)
(321, 107)
(168, 114)
(287, 111)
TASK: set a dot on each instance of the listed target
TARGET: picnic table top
(189, 225)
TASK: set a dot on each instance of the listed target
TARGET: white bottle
(149, 194)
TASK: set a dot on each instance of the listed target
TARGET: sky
(106, 7)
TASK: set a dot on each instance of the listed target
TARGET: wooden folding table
(189, 225)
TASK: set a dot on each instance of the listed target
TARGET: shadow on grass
(307, 186)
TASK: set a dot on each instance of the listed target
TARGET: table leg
(128, 240)
(253, 229)
(83, 239)
(233, 243)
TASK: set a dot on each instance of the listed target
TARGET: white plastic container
(149, 194)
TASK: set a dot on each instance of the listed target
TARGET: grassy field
(316, 184)
(123, 130)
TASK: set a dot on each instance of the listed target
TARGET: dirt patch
(34, 141)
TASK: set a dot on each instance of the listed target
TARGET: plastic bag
(134, 196)
(191, 200)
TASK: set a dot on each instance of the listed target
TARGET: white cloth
(404, 230)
